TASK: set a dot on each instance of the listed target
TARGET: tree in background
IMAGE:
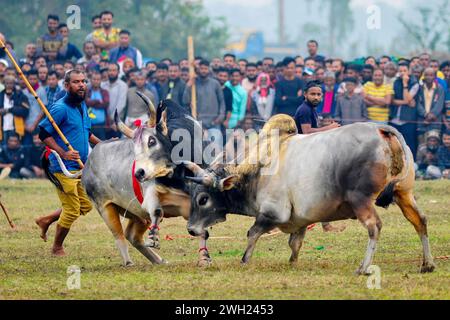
(432, 27)
(159, 28)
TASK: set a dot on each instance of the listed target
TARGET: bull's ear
(228, 183)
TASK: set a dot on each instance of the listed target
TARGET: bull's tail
(386, 197)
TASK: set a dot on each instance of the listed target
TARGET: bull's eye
(203, 200)
(151, 142)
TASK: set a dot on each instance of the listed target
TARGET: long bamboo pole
(5, 211)
(190, 43)
(44, 109)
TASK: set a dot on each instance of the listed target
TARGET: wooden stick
(11, 224)
(44, 109)
(190, 42)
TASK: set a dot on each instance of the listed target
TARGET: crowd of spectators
(410, 93)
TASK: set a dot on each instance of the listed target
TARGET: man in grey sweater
(350, 107)
(135, 107)
(210, 100)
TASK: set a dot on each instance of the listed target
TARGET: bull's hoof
(427, 267)
(128, 264)
(204, 262)
(164, 261)
(362, 272)
(154, 244)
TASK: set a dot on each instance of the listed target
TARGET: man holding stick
(70, 115)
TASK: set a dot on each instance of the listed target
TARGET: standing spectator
(239, 99)
(42, 76)
(424, 60)
(313, 47)
(52, 43)
(390, 73)
(249, 82)
(352, 71)
(266, 63)
(210, 100)
(13, 159)
(97, 101)
(162, 80)
(175, 85)
(306, 117)
(416, 71)
(107, 37)
(14, 108)
(383, 61)
(367, 73)
(444, 155)
(403, 112)
(40, 62)
(125, 50)
(319, 74)
(117, 90)
(96, 25)
(34, 154)
(378, 97)
(223, 77)
(329, 88)
(427, 157)
(229, 60)
(89, 52)
(337, 66)
(289, 90)
(329, 64)
(350, 106)
(69, 50)
(310, 63)
(414, 62)
(136, 108)
(52, 88)
(430, 103)
(30, 55)
(445, 68)
(264, 97)
(216, 63)
(243, 66)
(35, 114)
(58, 67)
(370, 60)
(299, 71)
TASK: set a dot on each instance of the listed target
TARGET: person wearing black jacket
(14, 108)
(289, 90)
(223, 76)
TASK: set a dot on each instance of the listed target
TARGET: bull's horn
(122, 126)
(198, 180)
(195, 168)
(151, 108)
(66, 172)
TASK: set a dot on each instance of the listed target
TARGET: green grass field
(325, 269)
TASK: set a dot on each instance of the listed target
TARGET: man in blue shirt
(70, 114)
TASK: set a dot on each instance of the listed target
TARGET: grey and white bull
(329, 176)
(108, 181)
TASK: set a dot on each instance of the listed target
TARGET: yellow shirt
(112, 36)
(378, 113)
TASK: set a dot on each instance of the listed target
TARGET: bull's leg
(153, 235)
(295, 242)
(204, 259)
(135, 234)
(261, 226)
(111, 216)
(367, 215)
(407, 203)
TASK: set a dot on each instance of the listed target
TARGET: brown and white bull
(329, 176)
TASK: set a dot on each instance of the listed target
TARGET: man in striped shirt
(378, 97)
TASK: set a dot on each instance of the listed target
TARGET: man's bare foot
(329, 228)
(58, 251)
(43, 224)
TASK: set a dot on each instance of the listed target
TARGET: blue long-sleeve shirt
(239, 104)
(75, 124)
